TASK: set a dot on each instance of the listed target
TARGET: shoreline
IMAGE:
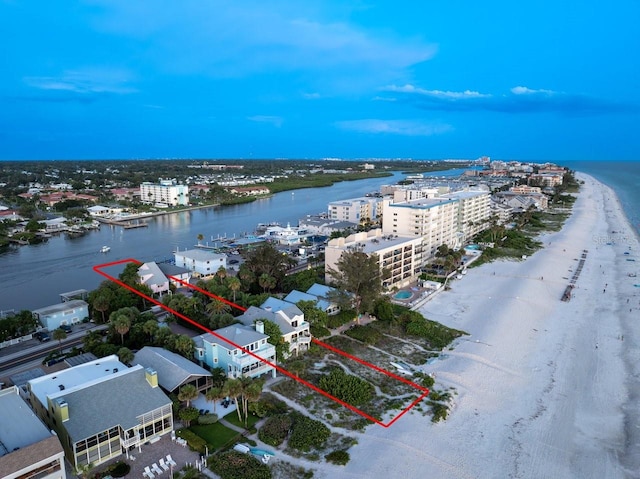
(543, 388)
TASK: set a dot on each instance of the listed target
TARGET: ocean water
(623, 177)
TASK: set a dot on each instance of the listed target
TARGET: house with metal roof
(101, 409)
(151, 276)
(28, 449)
(240, 350)
(174, 371)
(289, 318)
(67, 313)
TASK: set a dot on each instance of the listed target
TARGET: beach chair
(156, 469)
(148, 473)
(170, 461)
(163, 465)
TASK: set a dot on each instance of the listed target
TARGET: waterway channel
(34, 276)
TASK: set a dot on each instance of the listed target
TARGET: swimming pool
(403, 295)
(472, 247)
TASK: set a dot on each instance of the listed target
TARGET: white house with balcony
(295, 330)
(201, 262)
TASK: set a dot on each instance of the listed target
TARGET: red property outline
(98, 269)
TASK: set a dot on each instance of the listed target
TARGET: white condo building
(450, 219)
(400, 255)
(355, 210)
(165, 192)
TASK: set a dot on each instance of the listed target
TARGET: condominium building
(165, 192)
(400, 257)
(451, 219)
(101, 409)
(355, 210)
(28, 449)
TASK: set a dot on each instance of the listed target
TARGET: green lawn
(233, 419)
(215, 434)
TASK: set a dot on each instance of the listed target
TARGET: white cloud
(436, 93)
(85, 80)
(523, 90)
(395, 127)
(273, 120)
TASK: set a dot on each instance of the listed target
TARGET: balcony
(131, 441)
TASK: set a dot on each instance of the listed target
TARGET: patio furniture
(148, 473)
(156, 469)
(163, 465)
(170, 460)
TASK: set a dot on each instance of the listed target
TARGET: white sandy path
(536, 398)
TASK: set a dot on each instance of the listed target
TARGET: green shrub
(367, 334)
(346, 387)
(232, 465)
(343, 317)
(319, 331)
(338, 457)
(275, 429)
(307, 433)
(208, 419)
(195, 442)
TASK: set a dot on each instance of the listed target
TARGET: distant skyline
(96, 79)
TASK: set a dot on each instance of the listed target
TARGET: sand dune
(545, 387)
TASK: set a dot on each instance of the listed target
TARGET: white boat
(105, 249)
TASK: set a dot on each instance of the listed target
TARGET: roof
(200, 255)
(20, 426)
(150, 273)
(76, 377)
(28, 455)
(173, 370)
(236, 333)
(118, 400)
(254, 314)
(321, 290)
(58, 308)
(295, 296)
(169, 269)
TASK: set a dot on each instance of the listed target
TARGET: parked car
(42, 336)
(66, 328)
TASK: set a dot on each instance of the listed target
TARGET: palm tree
(150, 327)
(200, 237)
(221, 273)
(214, 394)
(59, 335)
(125, 355)
(234, 285)
(233, 389)
(122, 324)
(101, 303)
(184, 345)
(217, 307)
(188, 393)
(251, 393)
(266, 282)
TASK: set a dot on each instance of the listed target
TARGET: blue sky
(546, 80)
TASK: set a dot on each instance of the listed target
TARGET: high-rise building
(165, 192)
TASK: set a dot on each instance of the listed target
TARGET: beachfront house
(62, 314)
(28, 449)
(102, 409)
(201, 262)
(238, 349)
(295, 330)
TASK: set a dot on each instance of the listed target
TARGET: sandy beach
(545, 388)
